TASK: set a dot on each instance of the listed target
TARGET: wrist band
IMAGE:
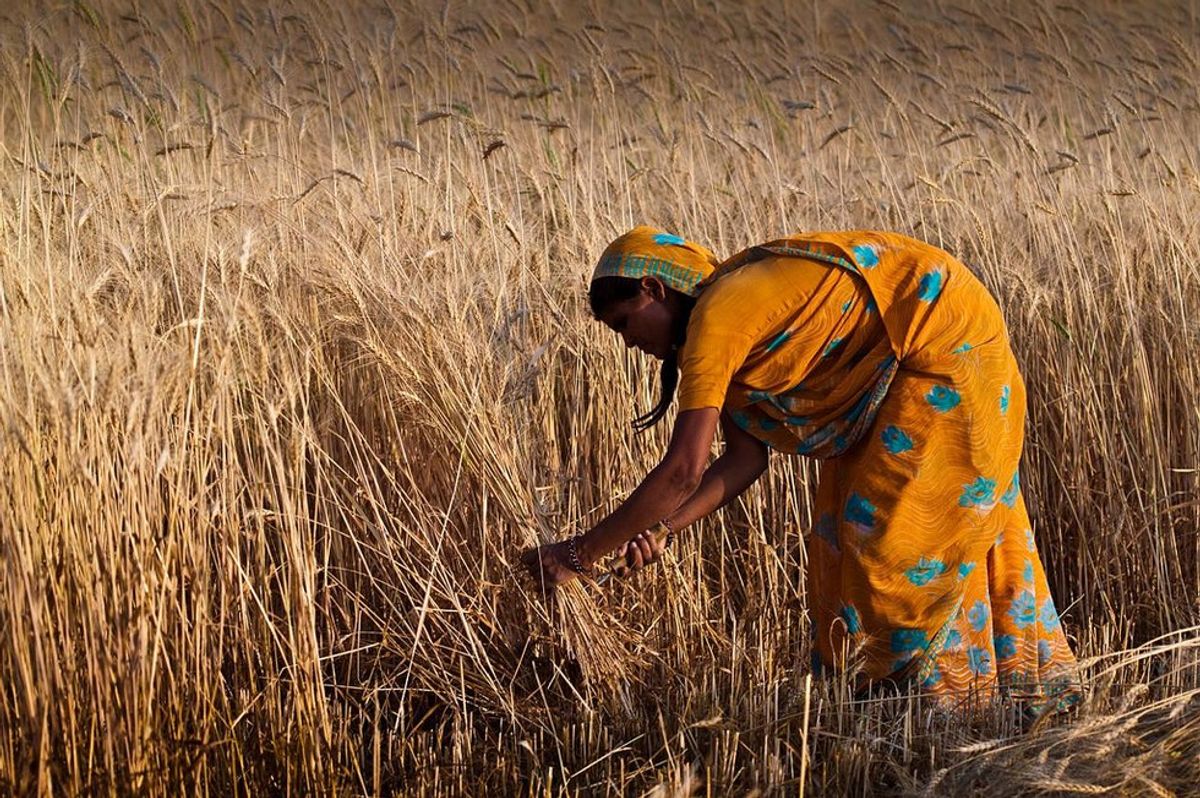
(573, 556)
(670, 531)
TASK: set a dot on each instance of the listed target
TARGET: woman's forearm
(726, 479)
(662, 491)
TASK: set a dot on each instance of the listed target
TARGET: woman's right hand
(642, 550)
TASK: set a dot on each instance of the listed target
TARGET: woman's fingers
(647, 548)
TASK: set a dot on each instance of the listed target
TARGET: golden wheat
(295, 360)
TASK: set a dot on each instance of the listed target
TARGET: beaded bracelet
(670, 532)
(573, 556)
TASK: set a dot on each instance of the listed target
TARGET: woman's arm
(674, 490)
(739, 466)
(664, 489)
(743, 461)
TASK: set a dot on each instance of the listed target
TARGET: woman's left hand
(549, 565)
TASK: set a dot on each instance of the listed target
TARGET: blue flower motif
(905, 641)
(1009, 499)
(953, 640)
(896, 440)
(826, 530)
(741, 419)
(1005, 394)
(1027, 571)
(930, 286)
(767, 423)
(866, 256)
(797, 421)
(860, 512)
(978, 493)
(853, 621)
(943, 398)
(961, 349)
(758, 396)
(965, 569)
(779, 340)
(924, 571)
(1006, 646)
(667, 238)
(1022, 609)
(935, 676)
(977, 616)
(979, 660)
(870, 307)
(839, 443)
(1048, 616)
(1029, 540)
(834, 344)
(1045, 651)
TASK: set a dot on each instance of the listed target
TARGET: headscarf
(648, 251)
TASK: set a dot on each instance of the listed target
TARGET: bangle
(573, 556)
(670, 531)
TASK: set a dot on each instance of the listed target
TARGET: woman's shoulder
(756, 294)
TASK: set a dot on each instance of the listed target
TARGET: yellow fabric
(887, 358)
(647, 251)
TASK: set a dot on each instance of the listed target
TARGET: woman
(886, 358)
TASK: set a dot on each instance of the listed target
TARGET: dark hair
(605, 292)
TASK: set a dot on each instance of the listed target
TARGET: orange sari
(888, 359)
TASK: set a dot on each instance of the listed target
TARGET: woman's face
(645, 320)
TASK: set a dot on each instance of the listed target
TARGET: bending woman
(887, 359)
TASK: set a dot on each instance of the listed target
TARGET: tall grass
(294, 361)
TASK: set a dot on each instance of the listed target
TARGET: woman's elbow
(685, 478)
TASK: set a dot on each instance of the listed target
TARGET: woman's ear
(654, 287)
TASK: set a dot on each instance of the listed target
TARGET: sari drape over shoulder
(887, 359)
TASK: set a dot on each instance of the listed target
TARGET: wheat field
(295, 360)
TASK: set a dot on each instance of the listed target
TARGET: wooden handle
(615, 565)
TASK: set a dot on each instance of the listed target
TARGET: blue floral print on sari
(977, 616)
(1048, 616)
(1006, 646)
(1022, 609)
(943, 398)
(925, 571)
(860, 512)
(866, 256)
(1009, 499)
(853, 622)
(979, 660)
(896, 440)
(978, 493)
(930, 286)
(906, 641)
